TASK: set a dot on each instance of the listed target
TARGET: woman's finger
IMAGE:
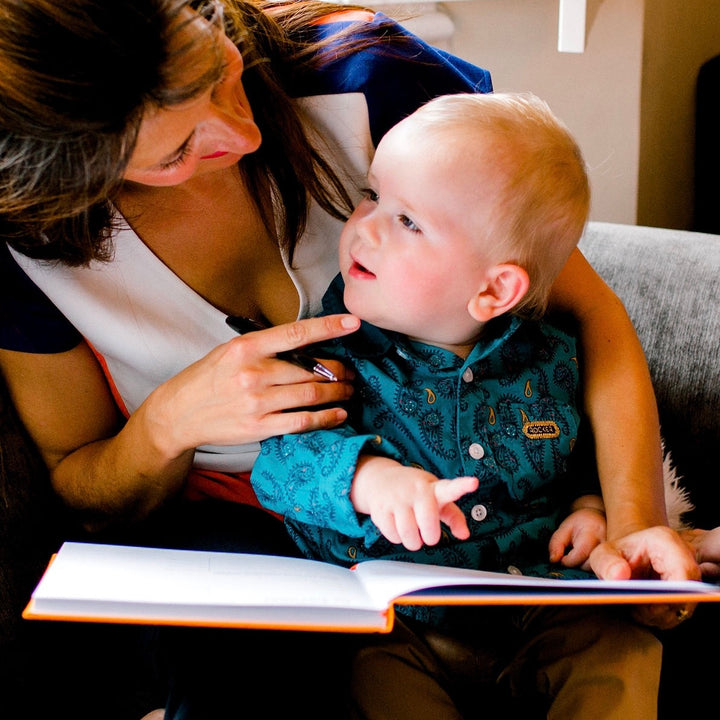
(298, 334)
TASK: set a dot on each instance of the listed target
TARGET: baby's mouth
(359, 270)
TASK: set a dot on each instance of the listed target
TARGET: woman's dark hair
(76, 77)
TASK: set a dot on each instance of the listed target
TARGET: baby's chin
(367, 315)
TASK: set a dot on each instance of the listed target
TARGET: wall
(629, 98)
(679, 38)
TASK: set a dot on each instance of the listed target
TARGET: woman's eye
(179, 160)
(408, 223)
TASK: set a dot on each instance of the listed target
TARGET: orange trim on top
(345, 16)
(111, 383)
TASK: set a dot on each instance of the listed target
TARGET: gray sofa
(669, 283)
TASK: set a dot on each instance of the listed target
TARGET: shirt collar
(370, 341)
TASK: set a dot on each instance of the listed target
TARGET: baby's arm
(580, 533)
(408, 504)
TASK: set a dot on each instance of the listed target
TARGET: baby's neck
(462, 350)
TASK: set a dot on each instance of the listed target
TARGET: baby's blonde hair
(546, 192)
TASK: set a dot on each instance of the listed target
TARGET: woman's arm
(620, 403)
(110, 469)
(99, 466)
(618, 399)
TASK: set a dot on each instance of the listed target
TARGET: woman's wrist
(158, 426)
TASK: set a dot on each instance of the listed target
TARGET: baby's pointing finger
(447, 491)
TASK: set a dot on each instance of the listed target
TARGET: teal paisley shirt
(508, 415)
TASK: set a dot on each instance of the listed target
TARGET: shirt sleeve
(29, 322)
(307, 478)
(396, 75)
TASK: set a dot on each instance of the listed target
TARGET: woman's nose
(229, 123)
(229, 126)
(230, 91)
(222, 134)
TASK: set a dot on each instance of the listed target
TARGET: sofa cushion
(669, 283)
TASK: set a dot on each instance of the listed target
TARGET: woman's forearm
(121, 478)
(620, 403)
(103, 468)
(619, 400)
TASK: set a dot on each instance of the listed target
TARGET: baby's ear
(505, 285)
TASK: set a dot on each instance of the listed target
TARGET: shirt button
(513, 570)
(476, 451)
(468, 376)
(479, 513)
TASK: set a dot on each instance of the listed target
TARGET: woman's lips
(217, 154)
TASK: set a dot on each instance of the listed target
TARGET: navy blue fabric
(394, 78)
(28, 320)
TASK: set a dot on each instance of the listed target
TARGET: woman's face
(208, 133)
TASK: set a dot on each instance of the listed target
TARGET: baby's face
(412, 253)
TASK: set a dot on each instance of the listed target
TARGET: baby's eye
(370, 195)
(408, 223)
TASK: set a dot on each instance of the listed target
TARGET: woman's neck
(209, 232)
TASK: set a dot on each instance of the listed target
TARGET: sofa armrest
(669, 281)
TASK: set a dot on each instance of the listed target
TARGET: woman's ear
(505, 286)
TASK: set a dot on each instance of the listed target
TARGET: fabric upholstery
(669, 281)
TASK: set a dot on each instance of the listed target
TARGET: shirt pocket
(531, 444)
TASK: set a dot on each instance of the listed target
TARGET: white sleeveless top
(147, 325)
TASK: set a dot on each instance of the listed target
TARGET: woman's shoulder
(29, 322)
(395, 70)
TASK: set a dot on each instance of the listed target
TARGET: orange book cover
(115, 583)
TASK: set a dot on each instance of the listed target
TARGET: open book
(114, 583)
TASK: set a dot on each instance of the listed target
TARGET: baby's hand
(705, 545)
(408, 504)
(577, 536)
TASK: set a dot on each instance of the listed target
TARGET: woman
(178, 166)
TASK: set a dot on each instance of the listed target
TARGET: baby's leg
(397, 676)
(590, 663)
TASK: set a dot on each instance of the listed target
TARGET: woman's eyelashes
(179, 159)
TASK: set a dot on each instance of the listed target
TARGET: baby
(458, 447)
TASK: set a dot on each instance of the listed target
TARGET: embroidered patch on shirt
(541, 429)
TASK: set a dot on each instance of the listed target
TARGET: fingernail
(349, 321)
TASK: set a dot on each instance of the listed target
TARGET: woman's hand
(240, 392)
(109, 468)
(654, 552)
(705, 545)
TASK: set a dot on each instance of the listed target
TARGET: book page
(119, 574)
(115, 583)
(391, 581)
